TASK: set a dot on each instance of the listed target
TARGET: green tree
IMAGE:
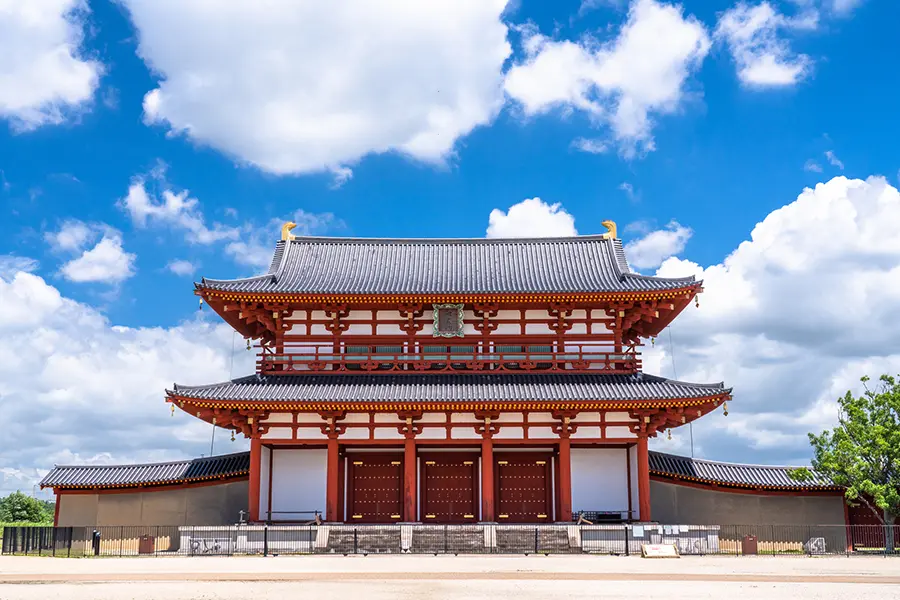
(19, 508)
(862, 454)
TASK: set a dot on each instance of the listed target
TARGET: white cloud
(42, 76)
(184, 268)
(619, 83)
(844, 8)
(300, 86)
(72, 236)
(175, 209)
(792, 318)
(812, 166)
(107, 262)
(341, 176)
(654, 247)
(590, 145)
(628, 189)
(11, 264)
(833, 160)
(91, 391)
(763, 58)
(531, 218)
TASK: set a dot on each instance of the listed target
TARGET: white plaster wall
(318, 315)
(359, 315)
(297, 328)
(280, 418)
(433, 433)
(508, 314)
(620, 417)
(264, 459)
(356, 433)
(298, 482)
(359, 329)
(599, 479)
(355, 418)
(310, 433)
(515, 417)
(279, 433)
(581, 417)
(464, 433)
(433, 418)
(538, 328)
(588, 431)
(508, 433)
(309, 418)
(541, 433)
(387, 433)
(619, 432)
(509, 328)
(388, 329)
(387, 418)
(633, 463)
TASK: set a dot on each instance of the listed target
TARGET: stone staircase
(453, 539)
(364, 540)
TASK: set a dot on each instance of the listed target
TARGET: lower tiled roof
(237, 465)
(168, 473)
(734, 475)
(450, 387)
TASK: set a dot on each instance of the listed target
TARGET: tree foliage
(19, 508)
(862, 454)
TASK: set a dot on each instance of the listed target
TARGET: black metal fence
(736, 540)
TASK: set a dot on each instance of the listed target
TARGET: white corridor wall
(299, 479)
(599, 479)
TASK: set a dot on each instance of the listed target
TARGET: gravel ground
(463, 577)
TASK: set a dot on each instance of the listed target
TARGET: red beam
(643, 469)
(409, 480)
(565, 480)
(332, 481)
(255, 466)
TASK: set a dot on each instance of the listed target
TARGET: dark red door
(375, 483)
(448, 488)
(523, 487)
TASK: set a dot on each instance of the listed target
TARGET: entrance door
(524, 493)
(448, 488)
(375, 483)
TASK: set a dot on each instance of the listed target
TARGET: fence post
(266, 539)
(446, 545)
(71, 530)
(774, 550)
(355, 541)
(627, 551)
(535, 540)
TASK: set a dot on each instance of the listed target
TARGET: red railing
(324, 359)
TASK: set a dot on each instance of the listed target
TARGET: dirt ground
(462, 577)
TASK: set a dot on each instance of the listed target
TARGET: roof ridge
(152, 464)
(449, 240)
(722, 462)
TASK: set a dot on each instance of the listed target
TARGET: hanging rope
(675, 375)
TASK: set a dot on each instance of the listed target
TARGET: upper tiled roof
(728, 474)
(449, 387)
(233, 465)
(182, 471)
(321, 265)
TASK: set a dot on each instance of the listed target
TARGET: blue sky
(688, 124)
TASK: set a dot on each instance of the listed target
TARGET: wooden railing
(375, 359)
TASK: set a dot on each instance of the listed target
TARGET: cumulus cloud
(531, 217)
(792, 318)
(43, 76)
(812, 166)
(91, 391)
(619, 83)
(184, 268)
(107, 262)
(763, 58)
(72, 236)
(654, 247)
(590, 145)
(296, 86)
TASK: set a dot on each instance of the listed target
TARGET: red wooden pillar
(59, 498)
(643, 473)
(409, 480)
(332, 480)
(565, 480)
(255, 472)
(487, 480)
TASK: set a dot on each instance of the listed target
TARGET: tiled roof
(118, 476)
(729, 474)
(449, 387)
(233, 465)
(321, 265)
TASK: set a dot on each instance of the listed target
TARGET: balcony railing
(391, 359)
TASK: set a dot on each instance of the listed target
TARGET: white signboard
(659, 551)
